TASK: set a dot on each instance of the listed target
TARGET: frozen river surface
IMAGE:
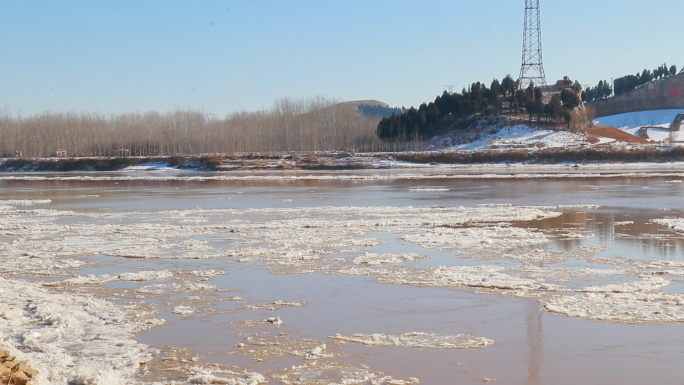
(354, 278)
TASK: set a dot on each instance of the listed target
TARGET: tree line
(624, 84)
(289, 125)
(379, 111)
(421, 122)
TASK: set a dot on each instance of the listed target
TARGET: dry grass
(614, 133)
(647, 154)
(331, 162)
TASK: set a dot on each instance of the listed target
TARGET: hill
(666, 93)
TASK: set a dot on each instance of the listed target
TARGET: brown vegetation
(207, 163)
(347, 161)
(614, 133)
(290, 125)
(647, 154)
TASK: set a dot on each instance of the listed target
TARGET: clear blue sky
(223, 56)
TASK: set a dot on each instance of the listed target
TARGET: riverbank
(331, 161)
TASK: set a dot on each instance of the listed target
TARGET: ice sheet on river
(286, 237)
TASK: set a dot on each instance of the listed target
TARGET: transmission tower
(532, 67)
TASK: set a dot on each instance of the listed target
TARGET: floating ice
(71, 338)
(323, 372)
(289, 240)
(620, 307)
(477, 239)
(418, 340)
(25, 202)
(675, 224)
(645, 284)
(207, 273)
(139, 276)
(429, 189)
(183, 310)
(292, 304)
(215, 376)
(317, 353)
(36, 266)
(477, 277)
(273, 321)
(623, 223)
(374, 259)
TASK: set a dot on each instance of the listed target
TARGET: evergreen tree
(570, 98)
(508, 85)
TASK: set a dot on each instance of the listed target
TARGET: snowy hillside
(631, 122)
(523, 136)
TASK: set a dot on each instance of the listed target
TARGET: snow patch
(522, 136)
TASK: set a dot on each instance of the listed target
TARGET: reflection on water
(627, 231)
(535, 343)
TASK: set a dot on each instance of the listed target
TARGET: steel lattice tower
(532, 67)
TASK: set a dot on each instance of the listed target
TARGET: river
(534, 278)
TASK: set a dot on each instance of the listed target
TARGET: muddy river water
(374, 277)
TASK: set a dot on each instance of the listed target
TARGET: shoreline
(348, 161)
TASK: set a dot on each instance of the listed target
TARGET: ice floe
(645, 284)
(477, 239)
(317, 353)
(418, 340)
(375, 259)
(213, 376)
(675, 224)
(429, 189)
(485, 277)
(323, 372)
(99, 279)
(71, 338)
(273, 321)
(183, 310)
(633, 307)
(25, 202)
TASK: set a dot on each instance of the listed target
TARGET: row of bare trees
(313, 124)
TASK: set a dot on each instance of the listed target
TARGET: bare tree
(309, 124)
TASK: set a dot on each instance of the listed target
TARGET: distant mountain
(372, 108)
